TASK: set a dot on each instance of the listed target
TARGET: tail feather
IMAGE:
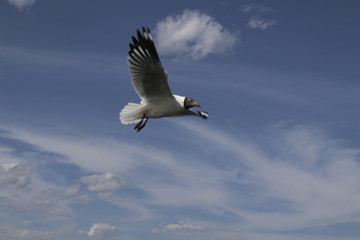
(132, 113)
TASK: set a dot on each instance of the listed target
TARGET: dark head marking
(189, 103)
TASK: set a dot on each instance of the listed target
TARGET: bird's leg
(137, 125)
(142, 126)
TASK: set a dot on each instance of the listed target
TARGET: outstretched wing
(147, 74)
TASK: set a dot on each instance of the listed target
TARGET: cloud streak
(181, 226)
(315, 187)
(52, 197)
(259, 23)
(255, 8)
(21, 4)
(293, 177)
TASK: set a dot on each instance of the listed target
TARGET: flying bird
(150, 82)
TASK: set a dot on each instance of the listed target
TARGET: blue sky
(278, 157)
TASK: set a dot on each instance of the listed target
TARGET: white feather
(132, 113)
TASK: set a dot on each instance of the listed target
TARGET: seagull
(150, 82)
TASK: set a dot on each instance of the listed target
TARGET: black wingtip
(139, 35)
(144, 41)
(135, 41)
(131, 46)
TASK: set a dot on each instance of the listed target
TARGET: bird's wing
(147, 74)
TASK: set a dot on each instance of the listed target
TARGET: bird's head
(189, 103)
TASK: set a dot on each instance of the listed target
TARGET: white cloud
(32, 234)
(52, 201)
(193, 35)
(23, 189)
(26, 234)
(22, 3)
(26, 223)
(100, 230)
(255, 8)
(139, 209)
(321, 193)
(104, 184)
(14, 175)
(181, 226)
(313, 177)
(258, 23)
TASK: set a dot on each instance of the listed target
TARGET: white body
(172, 107)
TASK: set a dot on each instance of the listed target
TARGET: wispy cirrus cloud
(21, 4)
(293, 177)
(258, 20)
(307, 175)
(181, 226)
(246, 8)
(22, 234)
(52, 197)
(259, 23)
(193, 35)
